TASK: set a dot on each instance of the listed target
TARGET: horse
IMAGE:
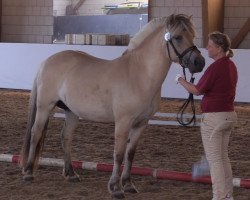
(125, 91)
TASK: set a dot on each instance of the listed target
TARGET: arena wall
(20, 62)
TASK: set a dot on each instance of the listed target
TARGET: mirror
(108, 17)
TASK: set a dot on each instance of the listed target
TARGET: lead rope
(180, 115)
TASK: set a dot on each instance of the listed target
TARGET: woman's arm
(188, 86)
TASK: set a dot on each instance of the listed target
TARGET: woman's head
(219, 44)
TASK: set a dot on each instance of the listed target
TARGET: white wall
(19, 63)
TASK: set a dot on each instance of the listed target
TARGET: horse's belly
(88, 97)
(96, 115)
(94, 110)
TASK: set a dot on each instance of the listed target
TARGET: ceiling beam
(241, 34)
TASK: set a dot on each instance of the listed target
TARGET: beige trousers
(215, 132)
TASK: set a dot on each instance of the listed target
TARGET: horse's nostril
(199, 62)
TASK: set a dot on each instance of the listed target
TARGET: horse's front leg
(121, 136)
(134, 136)
(71, 121)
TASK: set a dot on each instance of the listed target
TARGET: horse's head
(179, 39)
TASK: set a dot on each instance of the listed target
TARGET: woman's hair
(223, 41)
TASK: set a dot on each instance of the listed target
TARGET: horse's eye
(178, 38)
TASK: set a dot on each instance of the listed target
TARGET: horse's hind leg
(70, 124)
(134, 136)
(36, 142)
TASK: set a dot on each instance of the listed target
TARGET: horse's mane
(146, 31)
(171, 22)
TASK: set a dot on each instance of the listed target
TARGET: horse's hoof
(130, 188)
(73, 179)
(118, 195)
(28, 177)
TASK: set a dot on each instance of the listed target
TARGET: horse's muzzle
(197, 64)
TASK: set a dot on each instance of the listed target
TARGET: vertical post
(212, 17)
(205, 24)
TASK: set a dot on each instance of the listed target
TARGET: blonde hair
(223, 41)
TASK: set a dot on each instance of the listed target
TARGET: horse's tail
(30, 123)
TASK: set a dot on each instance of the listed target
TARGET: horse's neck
(153, 59)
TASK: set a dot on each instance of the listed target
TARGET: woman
(218, 85)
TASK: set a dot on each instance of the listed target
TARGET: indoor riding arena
(32, 31)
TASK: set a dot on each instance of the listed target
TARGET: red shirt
(218, 84)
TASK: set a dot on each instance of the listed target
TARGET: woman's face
(213, 49)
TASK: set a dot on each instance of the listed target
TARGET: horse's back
(58, 66)
(70, 58)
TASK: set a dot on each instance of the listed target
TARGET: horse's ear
(190, 17)
(171, 17)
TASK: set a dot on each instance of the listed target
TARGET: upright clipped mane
(145, 31)
(172, 22)
(180, 21)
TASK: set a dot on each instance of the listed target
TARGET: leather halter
(190, 99)
(180, 56)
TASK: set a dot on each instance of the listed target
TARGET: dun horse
(125, 91)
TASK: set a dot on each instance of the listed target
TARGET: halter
(180, 56)
(190, 99)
